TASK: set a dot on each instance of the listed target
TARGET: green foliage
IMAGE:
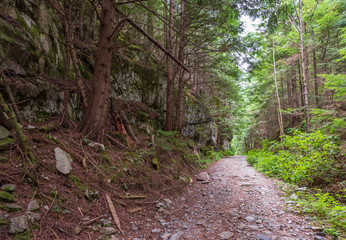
(336, 83)
(331, 212)
(301, 159)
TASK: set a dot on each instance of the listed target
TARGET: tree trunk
(300, 83)
(94, 119)
(294, 89)
(277, 96)
(170, 82)
(181, 84)
(315, 71)
(67, 67)
(306, 102)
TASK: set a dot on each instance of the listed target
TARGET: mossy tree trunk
(23, 140)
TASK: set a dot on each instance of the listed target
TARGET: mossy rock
(6, 143)
(48, 127)
(3, 207)
(7, 197)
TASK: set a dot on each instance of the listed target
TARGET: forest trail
(237, 203)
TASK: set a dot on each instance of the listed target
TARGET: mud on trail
(236, 203)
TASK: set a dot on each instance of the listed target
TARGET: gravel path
(237, 203)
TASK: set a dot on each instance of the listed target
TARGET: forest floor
(236, 203)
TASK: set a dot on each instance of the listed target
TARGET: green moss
(27, 235)
(6, 143)
(35, 226)
(3, 159)
(3, 207)
(7, 197)
(4, 222)
(78, 182)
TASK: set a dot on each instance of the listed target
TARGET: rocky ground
(236, 202)
(231, 200)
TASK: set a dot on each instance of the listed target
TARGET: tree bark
(170, 82)
(94, 119)
(306, 102)
(181, 84)
(277, 96)
(315, 71)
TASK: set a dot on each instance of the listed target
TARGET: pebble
(262, 237)
(107, 230)
(176, 236)
(156, 230)
(250, 219)
(226, 235)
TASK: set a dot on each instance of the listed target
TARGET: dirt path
(237, 203)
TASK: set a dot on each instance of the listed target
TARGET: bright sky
(249, 24)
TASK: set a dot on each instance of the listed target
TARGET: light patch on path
(238, 203)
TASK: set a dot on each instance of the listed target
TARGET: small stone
(134, 227)
(77, 230)
(97, 145)
(91, 194)
(4, 133)
(160, 205)
(31, 127)
(107, 230)
(314, 228)
(63, 161)
(294, 196)
(319, 238)
(7, 197)
(18, 224)
(33, 217)
(165, 236)
(156, 230)
(106, 223)
(176, 236)
(33, 206)
(9, 187)
(168, 201)
(250, 219)
(262, 237)
(226, 235)
(253, 227)
(13, 207)
(203, 176)
(301, 189)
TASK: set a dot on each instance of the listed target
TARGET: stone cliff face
(32, 56)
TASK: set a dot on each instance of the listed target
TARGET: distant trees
(308, 37)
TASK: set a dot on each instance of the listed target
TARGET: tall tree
(304, 79)
(170, 67)
(94, 119)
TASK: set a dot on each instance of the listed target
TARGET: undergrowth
(309, 159)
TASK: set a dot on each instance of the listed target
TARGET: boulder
(63, 161)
